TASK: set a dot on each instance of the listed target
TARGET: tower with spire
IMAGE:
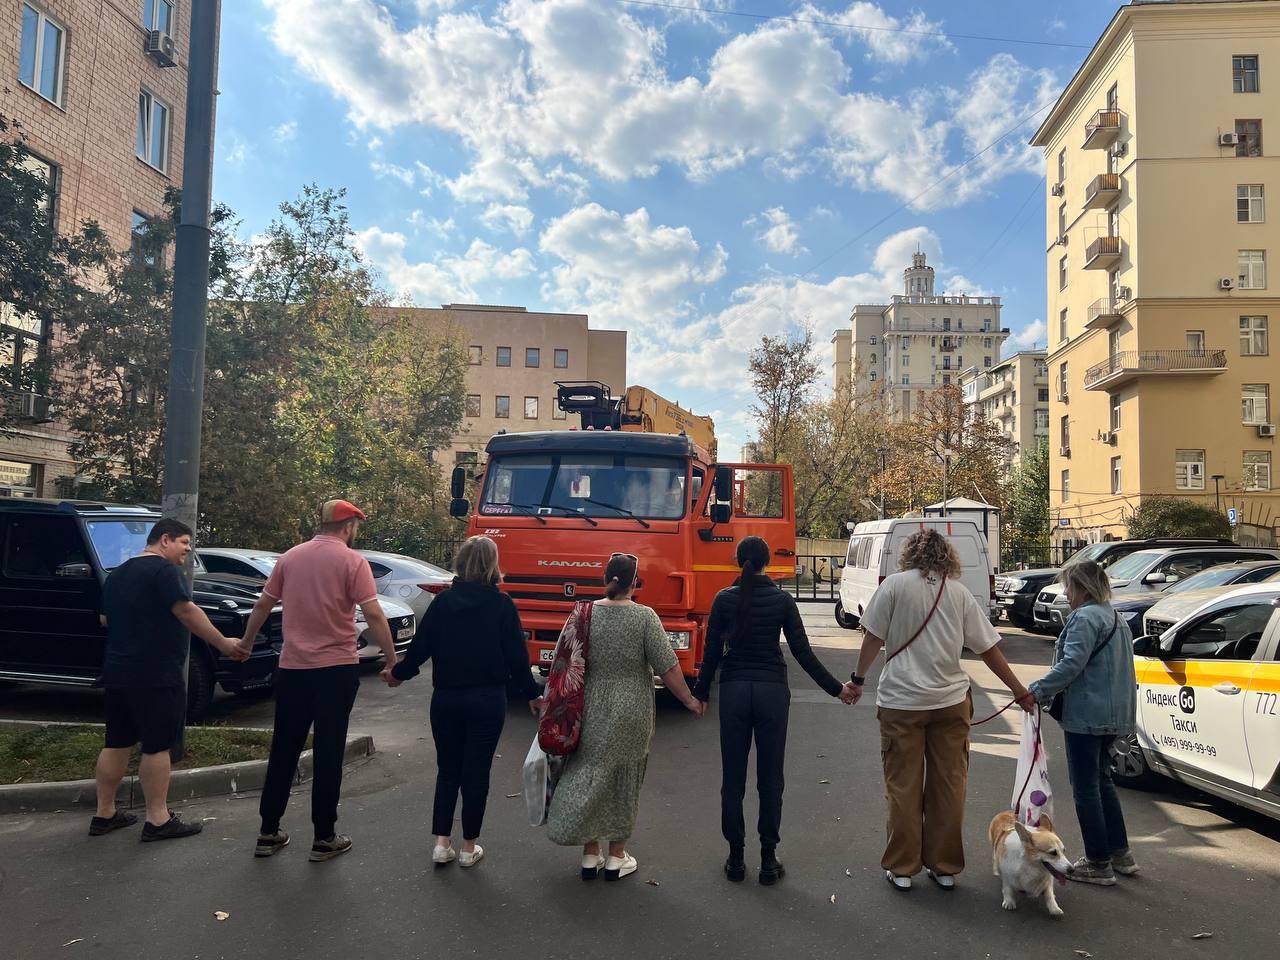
(918, 278)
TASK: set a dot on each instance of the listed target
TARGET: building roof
(963, 503)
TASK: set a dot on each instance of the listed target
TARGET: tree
(1026, 514)
(783, 374)
(1176, 517)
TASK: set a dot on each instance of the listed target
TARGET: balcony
(1102, 254)
(1103, 313)
(1102, 191)
(1128, 365)
(1102, 130)
(1004, 412)
(948, 348)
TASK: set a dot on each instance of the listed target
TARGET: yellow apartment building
(1014, 395)
(1157, 247)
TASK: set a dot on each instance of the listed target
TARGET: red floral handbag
(560, 727)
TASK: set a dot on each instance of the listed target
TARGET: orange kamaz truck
(558, 503)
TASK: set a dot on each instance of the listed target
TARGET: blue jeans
(1097, 806)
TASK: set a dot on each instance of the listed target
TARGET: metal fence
(817, 578)
(440, 552)
(1054, 556)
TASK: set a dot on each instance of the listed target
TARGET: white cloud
(1030, 337)
(474, 275)
(285, 132)
(433, 225)
(779, 234)
(888, 38)
(382, 170)
(1056, 25)
(238, 151)
(508, 216)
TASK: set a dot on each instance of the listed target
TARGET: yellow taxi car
(1209, 702)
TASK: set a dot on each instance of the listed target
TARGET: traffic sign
(1232, 516)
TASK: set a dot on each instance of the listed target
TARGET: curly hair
(930, 552)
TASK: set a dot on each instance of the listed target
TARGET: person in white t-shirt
(924, 618)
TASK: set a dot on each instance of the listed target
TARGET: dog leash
(994, 715)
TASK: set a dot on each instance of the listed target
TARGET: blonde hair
(930, 552)
(477, 562)
(1087, 577)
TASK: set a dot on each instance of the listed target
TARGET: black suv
(1016, 593)
(54, 559)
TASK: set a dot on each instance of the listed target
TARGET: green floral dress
(599, 791)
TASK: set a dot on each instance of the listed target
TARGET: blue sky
(699, 179)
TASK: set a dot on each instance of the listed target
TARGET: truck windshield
(592, 485)
(115, 541)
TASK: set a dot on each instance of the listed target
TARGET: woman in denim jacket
(1093, 670)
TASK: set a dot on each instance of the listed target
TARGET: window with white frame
(1064, 433)
(1188, 469)
(1253, 336)
(557, 413)
(906, 379)
(873, 339)
(1195, 341)
(986, 343)
(1244, 74)
(1066, 485)
(1062, 274)
(473, 405)
(1062, 166)
(986, 361)
(906, 360)
(873, 376)
(1249, 205)
(1062, 326)
(1115, 412)
(1257, 470)
(531, 408)
(1249, 138)
(153, 132)
(1062, 220)
(1256, 403)
(41, 54)
(1252, 269)
(158, 15)
(1042, 419)
(49, 173)
(1062, 380)
(1115, 475)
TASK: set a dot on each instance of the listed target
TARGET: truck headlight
(1014, 585)
(679, 639)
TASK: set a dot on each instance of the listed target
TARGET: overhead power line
(840, 25)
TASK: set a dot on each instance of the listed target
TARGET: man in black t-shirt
(148, 611)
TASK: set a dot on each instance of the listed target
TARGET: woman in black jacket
(746, 620)
(472, 634)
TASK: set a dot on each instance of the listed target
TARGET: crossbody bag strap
(932, 610)
(1115, 625)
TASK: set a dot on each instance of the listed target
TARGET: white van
(875, 548)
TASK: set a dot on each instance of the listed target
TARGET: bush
(1176, 517)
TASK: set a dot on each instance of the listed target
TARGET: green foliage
(1176, 517)
(1026, 514)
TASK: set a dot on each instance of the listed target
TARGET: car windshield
(1213, 577)
(115, 541)
(588, 484)
(268, 562)
(1129, 567)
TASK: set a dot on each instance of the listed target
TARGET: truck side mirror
(458, 484)
(721, 513)
(723, 485)
(459, 507)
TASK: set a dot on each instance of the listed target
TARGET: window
(1188, 469)
(47, 172)
(1113, 97)
(41, 54)
(557, 413)
(466, 456)
(1257, 470)
(1115, 474)
(1113, 284)
(561, 359)
(906, 344)
(1195, 341)
(23, 341)
(946, 379)
(1042, 394)
(1064, 433)
(531, 408)
(1062, 326)
(1227, 634)
(1249, 206)
(1062, 166)
(1244, 74)
(1042, 419)
(1115, 412)
(473, 404)
(1062, 381)
(872, 340)
(1062, 220)
(946, 323)
(1250, 134)
(475, 355)
(1062, 274)
(138, 239)
(986, 361)
(906, 380)
(39, 546)
(906, 360)
(502, 407)
(986, 326)
(873, 358)
(873, 376)
(946, 363)
(158, 15)
(1113, 343)
(1253, 336)
(1256, 403)
(153, 132)
(1253, 269)
(1066, 485)
(504, 357)
(532, 357)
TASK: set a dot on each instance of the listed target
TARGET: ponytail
(619, 575)
(752, 556)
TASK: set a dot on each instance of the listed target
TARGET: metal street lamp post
(1217, 497)
(884, 463)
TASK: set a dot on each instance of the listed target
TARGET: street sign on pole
(1233, 516)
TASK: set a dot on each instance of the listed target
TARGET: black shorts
(152, 716)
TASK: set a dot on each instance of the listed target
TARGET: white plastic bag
(1032, 792)
(540, 775)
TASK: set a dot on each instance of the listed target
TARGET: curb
(231, 779)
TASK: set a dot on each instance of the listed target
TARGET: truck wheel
(199, 686)
(1128, 765)
(845, 620)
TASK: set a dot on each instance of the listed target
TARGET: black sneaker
(117, 821)
(335, 846)
(173, 829)
(269, 844)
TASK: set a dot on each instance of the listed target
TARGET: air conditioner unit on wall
(1124, 293)
(1266, 430)
(161, 46)
(1120, 149)
(1226, 283)
(1064, 451)
(1106, 437)
(1061, 241)
(1228, 139)
(1057, 190)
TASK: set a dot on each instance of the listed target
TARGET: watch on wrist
(856, 680)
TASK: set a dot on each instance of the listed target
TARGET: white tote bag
(1032, 792)
(540, 775)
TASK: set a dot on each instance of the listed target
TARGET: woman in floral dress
(598, 794)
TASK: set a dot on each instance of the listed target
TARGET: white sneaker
(470, 859)
(943, 880)
(899, 883)
(442, 855)
(615, 868)
(592, 864)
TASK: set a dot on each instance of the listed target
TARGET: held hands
(388, 678)
(697, 707)
(1026, 700)
(536, 706)
(850, 693)
(236, 650)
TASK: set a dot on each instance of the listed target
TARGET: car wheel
(1022, 623)
(845, 620)
(1128, 765)
(199, 686)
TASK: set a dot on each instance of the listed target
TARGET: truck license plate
(546, 656)
(404, 633)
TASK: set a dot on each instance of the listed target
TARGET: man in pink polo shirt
(319, 583)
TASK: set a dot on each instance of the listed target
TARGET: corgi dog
(1027, 860)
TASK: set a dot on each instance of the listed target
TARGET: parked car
(876, 546)
(55, 557)
(414, 583)
(256, 566)
(1179, 599)
(1016, 593)
(1208, 710)
(1051, 606)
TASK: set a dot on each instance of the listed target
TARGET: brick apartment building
(102, 120)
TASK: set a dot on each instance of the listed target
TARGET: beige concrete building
(1014, 394)
(103, 121)
(916, 342)
(1157, 246)
(516, 358)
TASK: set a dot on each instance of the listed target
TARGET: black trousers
(752, 709)
(320, 698)
(466, 723)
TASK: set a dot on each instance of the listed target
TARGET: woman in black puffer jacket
(755, 700)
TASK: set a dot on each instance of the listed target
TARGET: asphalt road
(1207, 867)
